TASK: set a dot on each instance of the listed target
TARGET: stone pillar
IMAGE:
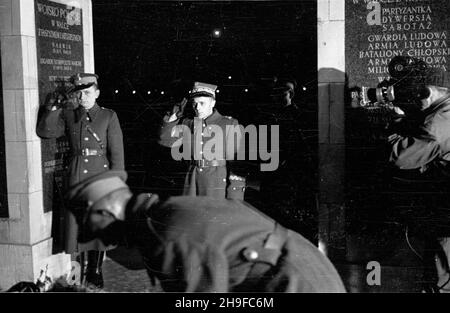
(331, 80)
(25, 235)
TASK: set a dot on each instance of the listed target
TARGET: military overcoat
(201, 244)
(96, 129)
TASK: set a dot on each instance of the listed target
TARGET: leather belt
(207, 163)
(88, 152)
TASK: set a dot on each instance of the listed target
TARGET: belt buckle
(85, 152)
(201, 163)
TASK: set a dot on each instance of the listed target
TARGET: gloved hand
(53, 101)
(72, 101)
(178, 110)
(57, 99)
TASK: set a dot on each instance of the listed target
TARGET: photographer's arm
(413, 152)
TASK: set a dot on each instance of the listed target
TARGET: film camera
(406, 84)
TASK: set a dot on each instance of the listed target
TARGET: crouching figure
(201, 244)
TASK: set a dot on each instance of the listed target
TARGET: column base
(25, 262)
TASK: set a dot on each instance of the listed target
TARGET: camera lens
(399, 67)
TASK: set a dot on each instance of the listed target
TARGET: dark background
(163, 46)
(3, 186)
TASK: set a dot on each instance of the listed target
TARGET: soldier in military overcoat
(202, 244)
(96, 145)
(208, 174)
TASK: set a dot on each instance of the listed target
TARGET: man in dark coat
(96, 144)
(202, 244)
(420, 152)
(209, 173)
(288, 193)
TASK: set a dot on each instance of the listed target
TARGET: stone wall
(25, 236)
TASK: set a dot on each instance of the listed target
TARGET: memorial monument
(42, 43)
(375, 32)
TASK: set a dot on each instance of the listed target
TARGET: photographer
(96, 143)
(420, 149)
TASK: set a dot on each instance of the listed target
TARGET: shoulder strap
(97, 138)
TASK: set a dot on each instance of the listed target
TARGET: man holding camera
(209, 173)
(96, 143)
(420, 151)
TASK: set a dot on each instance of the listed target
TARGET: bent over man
(202, 244)
(96, 145)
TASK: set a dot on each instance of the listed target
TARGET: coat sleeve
(188, 266)
(51, 124)
(115, 144)
(236, 172)
(303, 268)
(171, 132)
(414, 148)
(234, 142)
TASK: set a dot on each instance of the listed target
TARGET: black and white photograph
(223, 153)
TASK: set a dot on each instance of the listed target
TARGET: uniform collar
(214, 117)
(93, 111)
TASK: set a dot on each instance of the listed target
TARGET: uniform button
(202, 134)
(86, 160)
(87, 118)
(85, 171)
(251, 255)
(201, 152)
(224, 179)
(200, 169)
(201, 142)
(86, 138)
(105, 165)
(209, 127)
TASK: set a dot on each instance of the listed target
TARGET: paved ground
(123, 272)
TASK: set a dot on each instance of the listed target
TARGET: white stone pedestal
(25, 237)
(331, 80)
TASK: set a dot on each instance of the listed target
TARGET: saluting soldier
(210, 172)
(96, 144)
(202, 244)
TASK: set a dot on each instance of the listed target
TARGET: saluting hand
(178, 110)
(53, 101)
